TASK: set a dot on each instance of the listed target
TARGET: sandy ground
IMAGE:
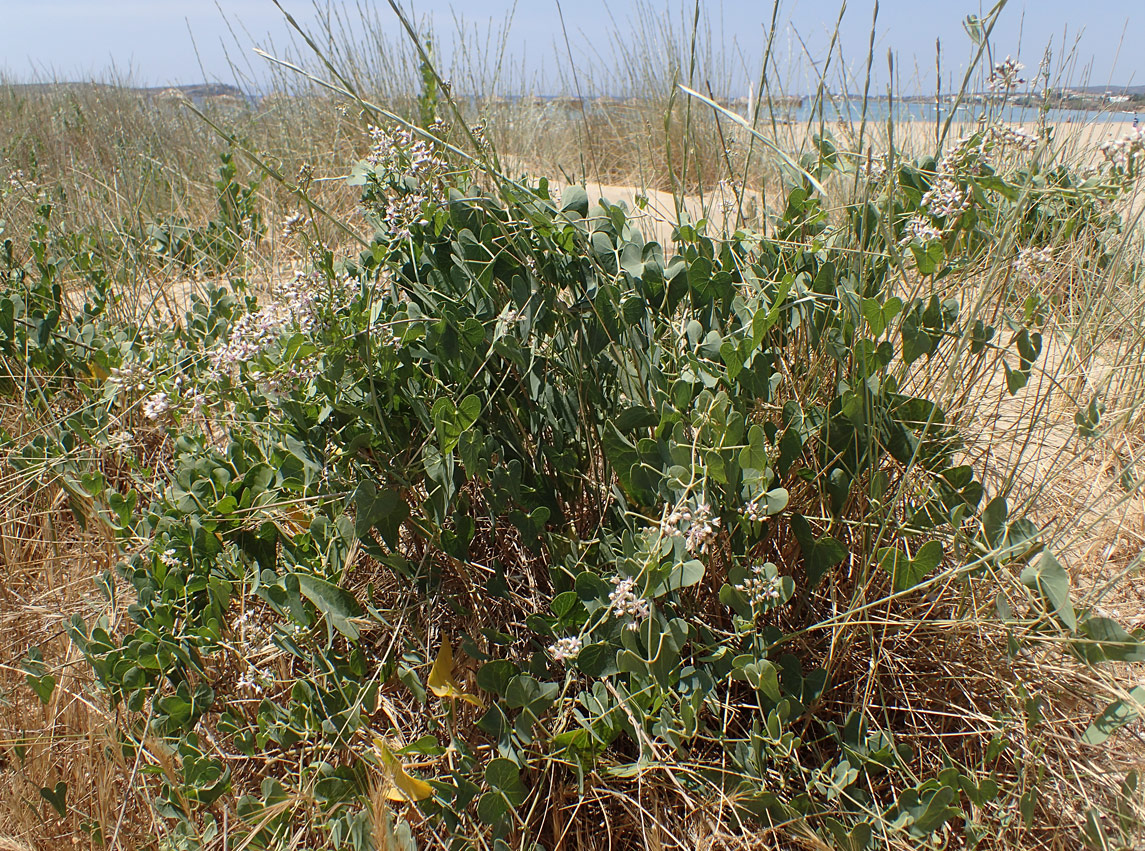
(656, 212)
(722, 206)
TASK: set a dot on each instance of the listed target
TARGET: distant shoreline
(1079, 108)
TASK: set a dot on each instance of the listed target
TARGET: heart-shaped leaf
(760, 674)
(908, 572)
(57, 797)
(574, 199)
(451, 421)
(683, 575)
(38, 678)
(372, 507)
(819, 556)
(880, 315)
(766, 317)
(503, 775)
(597, 660)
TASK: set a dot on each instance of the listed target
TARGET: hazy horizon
(180, 42)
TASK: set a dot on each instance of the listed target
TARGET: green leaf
(915, 341)
(524, 691)
(994, 517)
(1015, 379)
(491, 808)
(451, 421)
(597, 660)
(754, 455)
(563, 603)
(1116, 715)
(574, 199)
(1051, 582)
(790, 448)
(1029, 348)
(1106, 640)
(37, 676)
(372, 508)
(42, 686)
(637, 417)
(494, 676)
(762, 676)
(504, 776)
(906, 572)
(930, 257)
(57, 797)
(732, 359)
(880, 315)
(683, 575)
(928, 812)
(1088, 419)
(336, 604)
(819, 556)
(765, 318)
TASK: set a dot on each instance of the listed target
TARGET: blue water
(879, 110)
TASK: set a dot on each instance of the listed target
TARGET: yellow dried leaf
(441, 681)
(403, 787)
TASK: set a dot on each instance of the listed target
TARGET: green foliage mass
(632, 486)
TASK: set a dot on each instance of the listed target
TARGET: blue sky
(160, 42)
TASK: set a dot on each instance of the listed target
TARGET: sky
(166, 42)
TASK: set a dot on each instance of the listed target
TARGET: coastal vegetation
(391, 464)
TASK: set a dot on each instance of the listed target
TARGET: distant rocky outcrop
(197, 92)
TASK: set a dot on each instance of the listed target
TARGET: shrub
(516, 513)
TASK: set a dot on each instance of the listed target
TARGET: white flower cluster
(386, 336)
(1005, 75)
(293, 224)
(480, 132)
(1126, 153)
(946, 198)
(701, 526)
(921, 228)
(1014, 137)
(405, 160)
(283, 380)
(127, 376)
(254, 681)
(120, 440)
(753, 512)
(625, 602)
(250, 335)
(968, 155)
(156, 406)
(565, 649)
(1031, 263)
(295, 307)
(760, 588)
(703, 529)
(170, 559)
(965, 157)
(17, 181)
